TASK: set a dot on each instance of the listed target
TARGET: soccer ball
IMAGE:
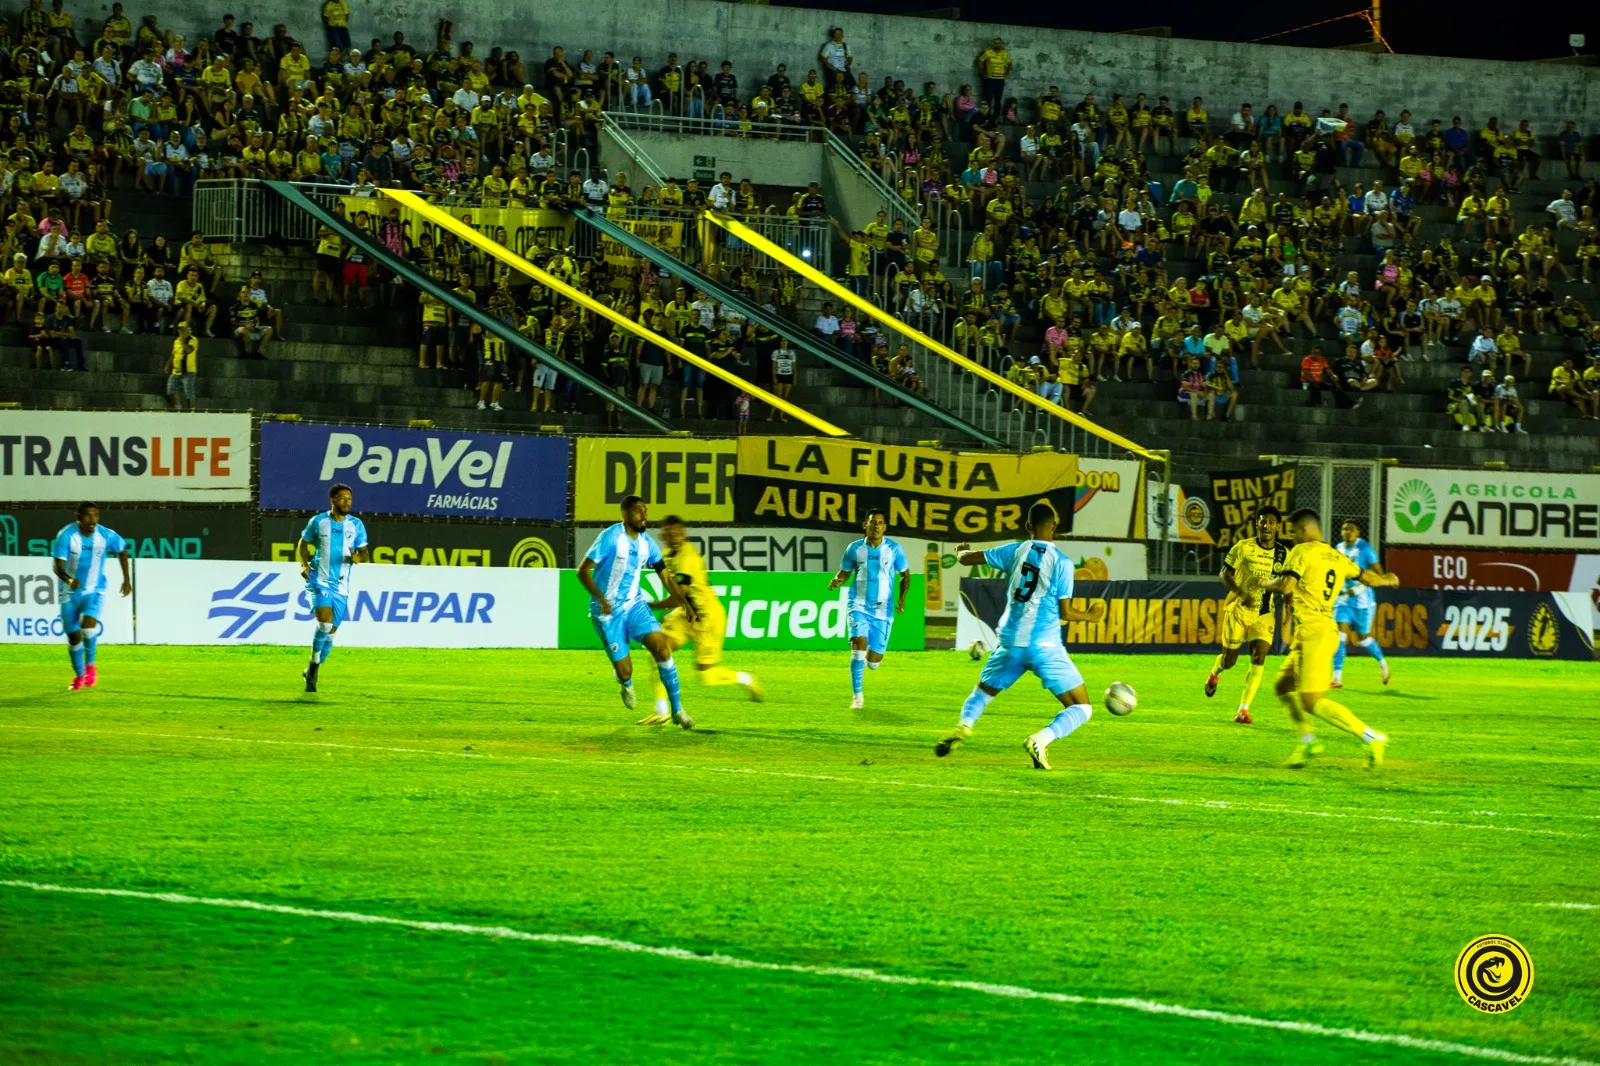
(1121, 699)
(977, 650)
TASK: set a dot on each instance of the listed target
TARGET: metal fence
(244, 209)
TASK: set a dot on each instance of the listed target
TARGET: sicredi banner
(1492, 509)
(693, 479)
(181, 602)
(177, 532)
(416, 542)
(812, 551)
(30, 605)
(414, 471)
(1183, 616)
(152, 456)
(827, 484)
(765, 611)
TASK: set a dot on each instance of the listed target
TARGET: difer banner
(414, 471)
(150, 532)
(1237, 495)
(812, 551)
(924, 492)
(151, 456)
(693, 479)
(1492, 509)
(181, 602)
(30, 610)
(1182, 616)
(765, 611)
(418, 542)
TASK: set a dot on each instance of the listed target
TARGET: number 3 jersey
(1322, 571)
(1038, 578)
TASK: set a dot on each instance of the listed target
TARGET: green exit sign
(705, 160)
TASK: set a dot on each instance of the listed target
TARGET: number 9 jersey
(1322, 571)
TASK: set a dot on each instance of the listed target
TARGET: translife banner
(30, 604)
(414, 471)
(152, 456)
(693, 479)
(827, 484)
(1183, 616)
(1492, 509)
(182, 602)
(765, 611)
(1237, 495)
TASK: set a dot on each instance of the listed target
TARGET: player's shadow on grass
(879, 717)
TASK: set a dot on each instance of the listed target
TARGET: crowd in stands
(1088, 268)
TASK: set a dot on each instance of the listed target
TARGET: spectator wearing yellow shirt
(190, 301)
(182, 367)
(336, 22)
(994, 66)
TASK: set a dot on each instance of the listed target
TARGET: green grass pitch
(1169, 858)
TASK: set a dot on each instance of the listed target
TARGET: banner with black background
(411, 542)
(159, 532)
(1237, 495)
(1182, 616)
(827, 484)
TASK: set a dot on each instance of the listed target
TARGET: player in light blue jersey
(1356, 603)
(1038, 601)
(619, 609)
(328, 549)
(80, 552)
(870, 565)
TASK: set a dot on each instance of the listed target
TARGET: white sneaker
(1519, 429)
(1383, 669)
(630, 699)
(496, 406)
(1036, 753)
(857, 702)
(482, 406)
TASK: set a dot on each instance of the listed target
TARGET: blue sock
(858, 670)
(1068, 720)
(974, 705)
(669, 681)
(76, 651)
(1338, 657)
(91, 643)
(1366, 642)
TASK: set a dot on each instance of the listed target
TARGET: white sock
(661, 705)
(1338, 675)
(1370, 734)
(744, 678)
(874, 665)
(1307, 738)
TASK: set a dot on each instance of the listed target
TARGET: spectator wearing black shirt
(812, 204)
(727, 86)
(248, 329)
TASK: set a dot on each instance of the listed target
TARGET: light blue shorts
(1357, 618)
(876, 630)
(78, 606)
(321, 597)
(1049, 662)
(623, 625)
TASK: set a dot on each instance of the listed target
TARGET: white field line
(1209, 805)
(1143, 1006)
(1571, 906)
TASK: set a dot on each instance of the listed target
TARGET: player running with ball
(870, 565)
(1038, 601)
(80, 553)
(1248, 613)
(1311, 578)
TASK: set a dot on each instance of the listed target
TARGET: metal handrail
(631, 149)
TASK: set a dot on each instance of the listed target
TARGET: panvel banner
(811, 551)
(525, 227)
(417, 542)
(178, 532)
(414, 471)
(1237, 495)
(1182, 616)
(1492, 509)
(148, 456)
(30, 604)
(924, 492)
(765, 611)
(668, 236)
(693, 479)
(179, 602)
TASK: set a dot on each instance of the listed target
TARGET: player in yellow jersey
(706, 631)
(1310, 579)
(1248, 614)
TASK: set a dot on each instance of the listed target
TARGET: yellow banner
(668, 236)
(827, 484)
(693, 479)
(523, 225)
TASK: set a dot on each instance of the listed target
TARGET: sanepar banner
(414, 471)
(1491, 509)
(774, 611)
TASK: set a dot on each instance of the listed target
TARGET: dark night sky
(1515, 31)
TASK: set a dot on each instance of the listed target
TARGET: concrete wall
(788, 163)
(756, 37)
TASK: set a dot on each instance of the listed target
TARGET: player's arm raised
(586, 576)
(1374, 577)
(967, 557)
